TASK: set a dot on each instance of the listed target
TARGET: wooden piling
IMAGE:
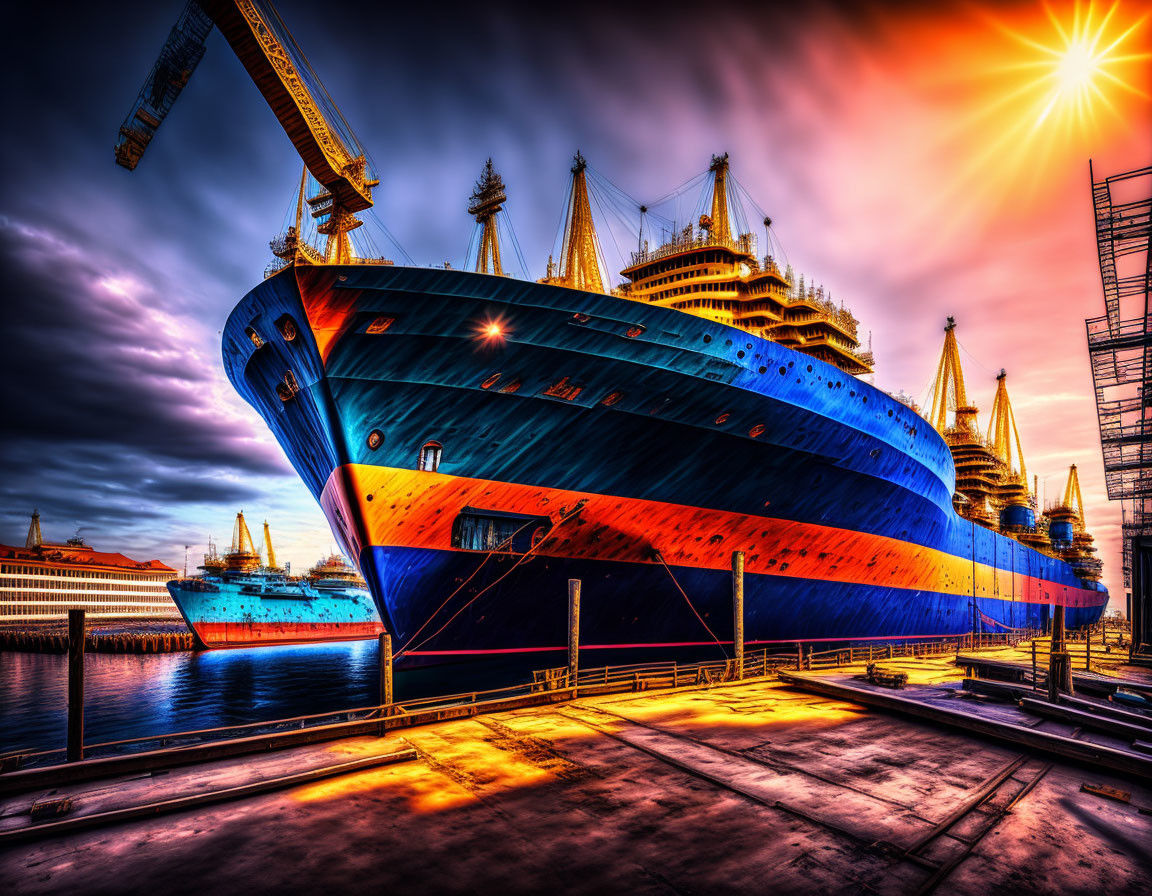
(1059, 660)
(738, 611)
(385, 658)
(75, 685)
(573, 633)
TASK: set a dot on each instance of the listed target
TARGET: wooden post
(385, 658)
(799, 657)
(738, 611)
(75, 685)
(573, 633)
(1033, 664)
(1059, 660)
(1088, 651)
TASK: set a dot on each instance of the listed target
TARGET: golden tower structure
(977, 467)
(242, 557)
(707, 270)
(580, 253)
(1079, 549)
(487, 200)
(1004, 439)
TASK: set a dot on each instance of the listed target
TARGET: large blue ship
(477, 440)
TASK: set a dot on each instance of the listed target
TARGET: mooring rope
(688, 601)
(563, 519)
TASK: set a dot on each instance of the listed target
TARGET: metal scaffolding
(1120, 347)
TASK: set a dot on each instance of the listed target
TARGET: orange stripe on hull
(410, 508)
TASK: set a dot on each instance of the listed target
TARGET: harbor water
(130, 696)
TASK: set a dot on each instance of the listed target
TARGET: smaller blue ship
(240, 602)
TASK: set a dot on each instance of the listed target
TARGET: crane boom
(251, 29)
(178, 58)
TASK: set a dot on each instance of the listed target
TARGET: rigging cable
(563, 519)
(668, 569)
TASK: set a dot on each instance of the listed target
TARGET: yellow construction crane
(269, 553)
(487, 200)
(1003, 436)
(580, 252)
(282, 74)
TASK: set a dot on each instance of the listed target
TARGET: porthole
(375, 439)
(740, 354)
(490, 382)
(809, 368)
(287, 327)
(763, 369)
(635, 331)
(707, 337)
(253, 337)
(380, 325)
(580, 317)
(783, 370)
(611, 398)
(723, 418)
(756, 431)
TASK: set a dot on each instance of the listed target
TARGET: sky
(918, 160)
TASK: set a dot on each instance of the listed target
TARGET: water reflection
(133, 696)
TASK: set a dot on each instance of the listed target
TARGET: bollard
(738, 611)
(573, 634)
(75, 685)
(385, 658)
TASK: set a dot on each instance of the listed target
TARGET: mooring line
(563, 519)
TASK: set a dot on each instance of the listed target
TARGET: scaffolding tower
(1120, 348)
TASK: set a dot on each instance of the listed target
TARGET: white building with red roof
(43, 581)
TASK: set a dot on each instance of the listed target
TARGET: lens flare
(1078, 67)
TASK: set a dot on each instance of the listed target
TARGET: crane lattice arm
(277, 66)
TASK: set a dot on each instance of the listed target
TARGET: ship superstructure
(475, 440)
(238, 601)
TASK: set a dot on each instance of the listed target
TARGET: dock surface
(743, 787)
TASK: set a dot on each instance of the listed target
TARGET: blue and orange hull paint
(648, 443)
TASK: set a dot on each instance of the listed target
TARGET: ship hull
(629, 446)
(222, 615)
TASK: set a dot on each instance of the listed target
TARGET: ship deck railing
(547, 685)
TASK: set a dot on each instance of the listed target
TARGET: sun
(1079, 66)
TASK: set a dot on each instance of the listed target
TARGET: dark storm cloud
(114, 410)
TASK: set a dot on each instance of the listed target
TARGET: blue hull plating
(688, 440)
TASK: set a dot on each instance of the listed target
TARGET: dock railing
(547, 685)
